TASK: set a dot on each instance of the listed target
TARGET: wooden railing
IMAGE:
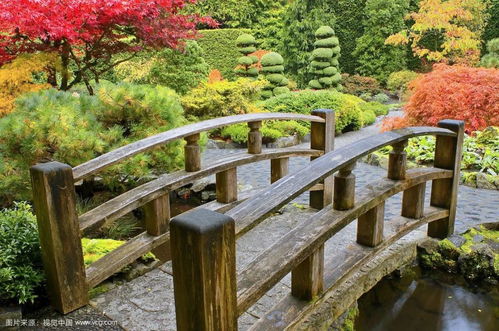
(209, 295)
(61, 229)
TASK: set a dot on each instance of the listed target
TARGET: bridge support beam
(157, 219)
(344, 188)
(227, 186)
(322, 138)
(370, 226)
(397, 161)
(192, 153)
(204, 271)
(448, 154)
(278, 168)
(413, 201)
(307, 280)
(255, 138)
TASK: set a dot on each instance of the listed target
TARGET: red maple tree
(87, 33)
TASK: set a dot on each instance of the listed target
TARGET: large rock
(482, 182)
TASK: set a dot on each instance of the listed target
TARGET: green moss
(94, 249)
(349, 323)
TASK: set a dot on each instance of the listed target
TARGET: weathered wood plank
(292, 249)
(54, 201)
(157, 219)
(91, 167)
(413, 201)
(289, 311)
(227, 185)
(116, 260)
(145, 193)
(204, 271)
(307, 279)
(251, 212)
(278, 168)
(448, 154)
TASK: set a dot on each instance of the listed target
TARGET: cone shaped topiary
(324, 60)
(246, 44)
(273, 68)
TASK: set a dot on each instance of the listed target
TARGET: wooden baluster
(322, 138)
(255, 138)
(307, 279)
(54, 201)
(448, 153)
(157, 218)
(397, 161)
(413, 201)
(344, 188)
(227, 186)
(192, 153)
(370, 226)
(204, 271)
(278, 168)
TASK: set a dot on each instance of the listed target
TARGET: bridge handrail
(93, 166)
(204, 251)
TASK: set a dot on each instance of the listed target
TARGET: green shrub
(324, 65)
(178, 70)
(246, 44)
(357, 85)
(381, 98)
(271, 130)
(347, 107)
(399, 82)
(21, 271)
(222, 98)
(377, 108)
(72, 128)
(220, 50)
(273, 68)
(383, 18)
(368, 117)
(491, 59)
(269, 28)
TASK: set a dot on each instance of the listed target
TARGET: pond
(426, 301)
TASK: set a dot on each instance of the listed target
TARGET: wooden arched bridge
(209, 295)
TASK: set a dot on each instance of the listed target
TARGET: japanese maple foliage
(87, 33)
(452, 92)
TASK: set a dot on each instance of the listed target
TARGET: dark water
(428, 302)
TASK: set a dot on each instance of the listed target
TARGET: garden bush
(21, 272)
(491, 59)
(383, 18)
(271, 130)
(381, 98)
(377, 108)
(398, 82)
(347, 107)
(456, 92)
(220, 50)
(324, 63)
(246, 44)
(178, 70)
(73, 128)
(357, 85)
(222, 98)
(273, 69)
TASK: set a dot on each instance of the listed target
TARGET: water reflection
(427, 303)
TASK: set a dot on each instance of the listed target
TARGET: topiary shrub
(325, 65)
(246, 45)
(491, 59)
(178, 70)
(220, 50)
(73, 128)
(273, 68)
(21, 271)
(357, 85)
(456, 92)
(222, 98)
(347, 107)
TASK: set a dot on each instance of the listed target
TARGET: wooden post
(344, 188)
(278, 168)
(227, 186)
(370, 226)
(448, 153)
(192, 153)
(397, 161)
(54, 200)
(322, 138)
(204, 271)
(157, 218)
(413, 201)
(255, 138)
(307, 279)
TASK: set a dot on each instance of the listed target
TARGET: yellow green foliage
(445, 31)
(222, 98)
(94, 249)
(19, 77)
(271, 130)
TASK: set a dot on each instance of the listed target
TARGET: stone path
(146, 303)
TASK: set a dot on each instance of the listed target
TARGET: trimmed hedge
(220, 50)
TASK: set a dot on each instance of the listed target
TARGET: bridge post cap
(453, 125)
(50, 167)
(200, 221)
(322, 111)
